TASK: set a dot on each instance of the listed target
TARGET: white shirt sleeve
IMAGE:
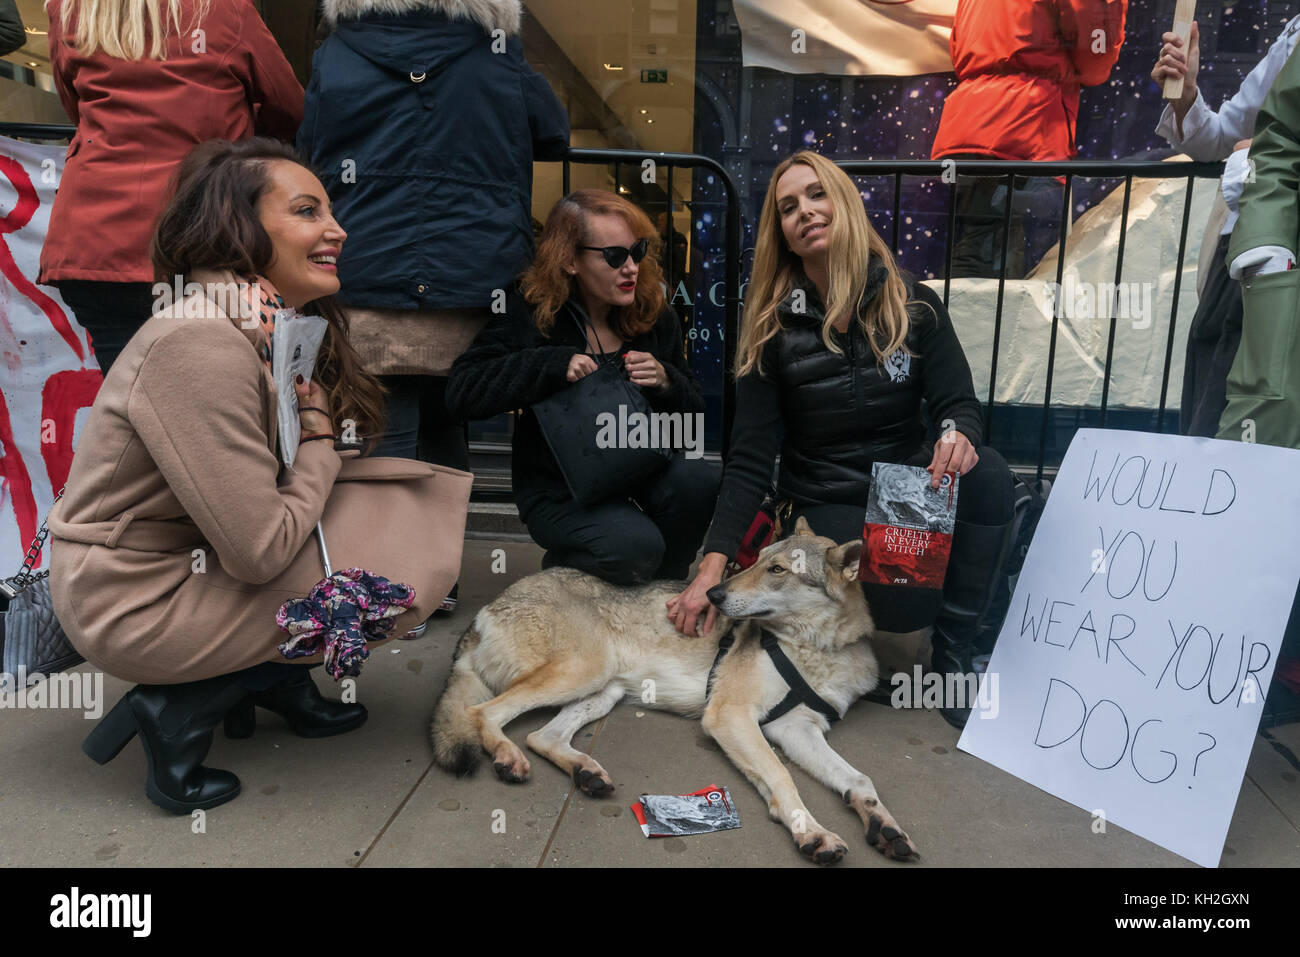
(1209, 136)
(1261, 260)
(1236, 173)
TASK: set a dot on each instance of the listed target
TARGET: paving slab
(958, 810)
(477, 821)
(1274, 768)
(373, 798)
(303, 802)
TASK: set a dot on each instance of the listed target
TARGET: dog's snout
(716, 593)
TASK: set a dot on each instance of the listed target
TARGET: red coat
(1020, 64)
(137, 119)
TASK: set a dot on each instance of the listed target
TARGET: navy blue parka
(423, 128)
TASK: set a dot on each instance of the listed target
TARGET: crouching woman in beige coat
(180, 536)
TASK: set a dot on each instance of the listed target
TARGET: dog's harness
(800, 691)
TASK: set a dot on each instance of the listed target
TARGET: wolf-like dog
(562, 637)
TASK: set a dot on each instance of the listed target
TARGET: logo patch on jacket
(899, 366)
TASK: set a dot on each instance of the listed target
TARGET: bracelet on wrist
(320, 435)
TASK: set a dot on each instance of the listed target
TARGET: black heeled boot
(296, 699)
(978, 556)
(175, 725)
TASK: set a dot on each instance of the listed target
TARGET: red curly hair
(547, 285)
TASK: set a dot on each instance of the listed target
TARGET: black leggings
(655, 533)
(984, 497)
(111, 312)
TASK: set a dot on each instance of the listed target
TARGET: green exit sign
(654, 76)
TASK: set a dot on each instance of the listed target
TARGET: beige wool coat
(180, 535)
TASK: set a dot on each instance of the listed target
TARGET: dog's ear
(842, 561)
(801, 527)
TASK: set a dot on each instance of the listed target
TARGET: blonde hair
(126, 29)
(851, 245)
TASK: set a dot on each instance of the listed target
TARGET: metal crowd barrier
(731, 243)
(1092, 169)
(897, 169)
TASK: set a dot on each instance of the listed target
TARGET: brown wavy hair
(547, 284)
(212, 223)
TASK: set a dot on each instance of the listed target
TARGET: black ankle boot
(952, 647)
(979, 554)
(175, 725)
(297, 700)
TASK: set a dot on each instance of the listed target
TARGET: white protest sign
(1143, 631)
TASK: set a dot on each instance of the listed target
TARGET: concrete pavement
(372, 797)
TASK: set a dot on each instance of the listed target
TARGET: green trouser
(1264, 381)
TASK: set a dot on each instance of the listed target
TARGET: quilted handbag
(32, 642)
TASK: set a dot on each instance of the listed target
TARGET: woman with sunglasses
(593, 294)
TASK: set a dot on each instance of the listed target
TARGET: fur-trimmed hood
(489, 14)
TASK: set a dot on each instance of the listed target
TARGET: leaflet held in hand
(294, 345)
(907, 533)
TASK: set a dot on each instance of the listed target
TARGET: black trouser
(110, 311)
(981, 204)
(984, 497)
(1212, 344)
(418, 425)
(626, 544)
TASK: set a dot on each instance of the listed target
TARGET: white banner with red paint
(847, 37)
(49, 377)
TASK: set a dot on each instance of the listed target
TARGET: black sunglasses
(617, 255)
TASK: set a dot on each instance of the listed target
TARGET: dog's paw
(594, 783)
(821, 847)
(510, 765)
(889, 840)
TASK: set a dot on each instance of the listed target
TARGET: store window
(626, 73)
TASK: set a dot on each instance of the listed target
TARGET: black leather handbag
(570, 420)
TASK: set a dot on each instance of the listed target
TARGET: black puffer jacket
(511, 365)
(832, 415)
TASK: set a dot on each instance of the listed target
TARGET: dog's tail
(453, 733)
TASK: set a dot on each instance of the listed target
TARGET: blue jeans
(418, 424)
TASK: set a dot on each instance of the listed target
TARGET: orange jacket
(1020, 64)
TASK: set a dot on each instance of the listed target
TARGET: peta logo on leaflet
(77, 910)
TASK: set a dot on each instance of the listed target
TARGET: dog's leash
(800, 691)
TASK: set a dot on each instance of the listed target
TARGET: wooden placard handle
(1184, 14)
